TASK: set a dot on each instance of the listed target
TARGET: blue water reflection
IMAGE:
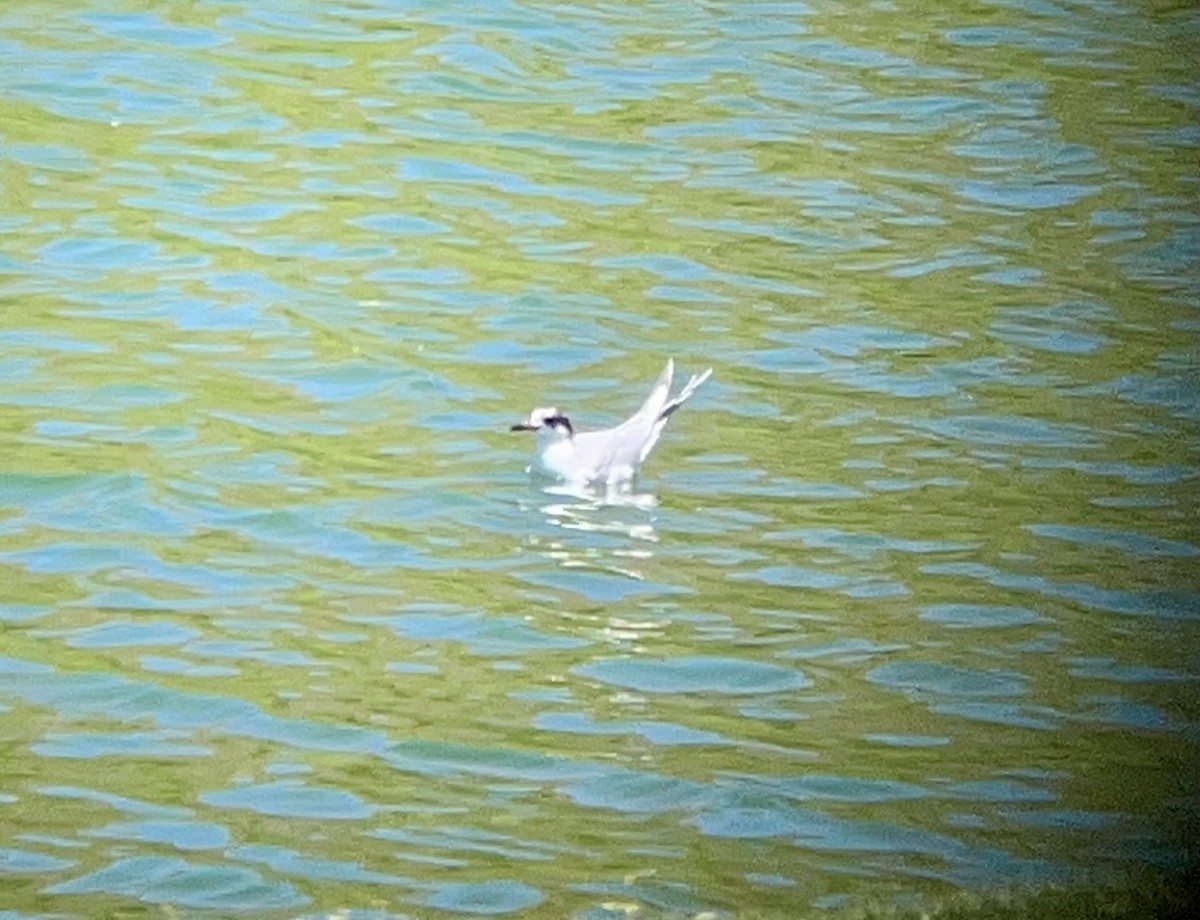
(904, 603)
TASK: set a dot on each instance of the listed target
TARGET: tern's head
(547, 421)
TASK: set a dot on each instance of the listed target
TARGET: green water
(905, 606)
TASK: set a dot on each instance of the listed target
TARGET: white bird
(611, 456)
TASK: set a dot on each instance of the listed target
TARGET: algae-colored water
(905, 607)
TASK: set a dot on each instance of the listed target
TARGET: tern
(611, 456)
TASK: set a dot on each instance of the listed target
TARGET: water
(906, 603)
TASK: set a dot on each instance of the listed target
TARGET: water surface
(906, 601)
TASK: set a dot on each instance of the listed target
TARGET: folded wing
(618, 452)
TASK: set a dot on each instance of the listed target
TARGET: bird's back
(616, 453)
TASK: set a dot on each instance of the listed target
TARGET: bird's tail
(687, 391)
(670, 406)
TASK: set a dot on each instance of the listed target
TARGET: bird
(610, 456)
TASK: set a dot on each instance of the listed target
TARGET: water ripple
(279, 277)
